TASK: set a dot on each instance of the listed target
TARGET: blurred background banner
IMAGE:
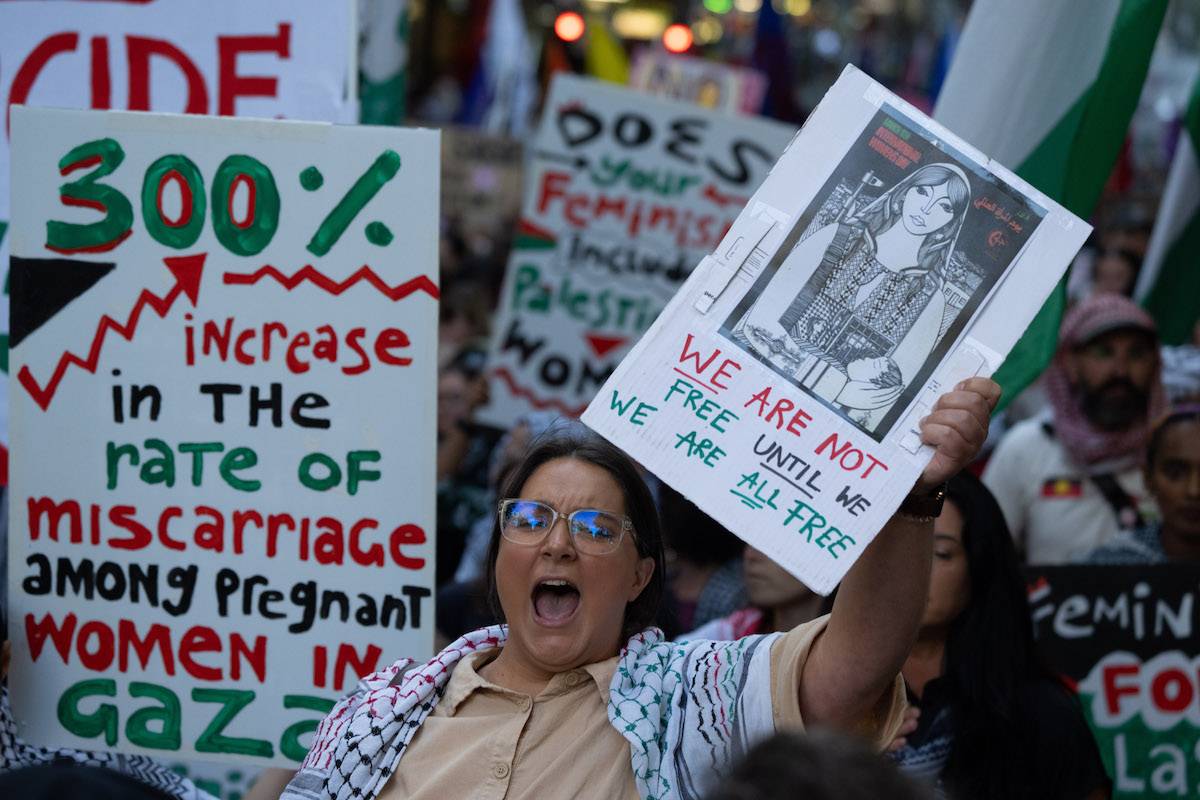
(706, 83)
(1048, 90)
(623, 197)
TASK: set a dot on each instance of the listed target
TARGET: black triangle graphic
(41, 287)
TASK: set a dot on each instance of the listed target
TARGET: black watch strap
(925, 506)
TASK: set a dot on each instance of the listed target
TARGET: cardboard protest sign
(624, 195)
(712, 84)
(881, 262)
(223, 425)
(270, 58)
(1129, 639)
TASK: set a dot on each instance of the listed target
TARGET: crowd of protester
(1099, 463)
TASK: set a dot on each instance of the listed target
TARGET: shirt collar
(467, 680)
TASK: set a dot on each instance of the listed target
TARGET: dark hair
(579, 443)
(1158, 431)
(990, 660)
(693, 535)
(821, 765)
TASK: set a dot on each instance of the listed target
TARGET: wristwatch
(924, 507)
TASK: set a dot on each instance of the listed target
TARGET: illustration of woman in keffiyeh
(857, 329)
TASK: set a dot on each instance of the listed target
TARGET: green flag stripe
(1172, 298)
(1191, 119)
(1073, 162)
(1178, 280)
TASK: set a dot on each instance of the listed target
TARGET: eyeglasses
(592, 531)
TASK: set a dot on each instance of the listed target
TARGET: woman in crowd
(778, 602)
(704, 566)
(575, 697)
(994, 723)
(1172, 475)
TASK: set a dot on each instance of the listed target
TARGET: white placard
(223, 408)
(292, 59)
(882, 261)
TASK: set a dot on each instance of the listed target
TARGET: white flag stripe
(1180, 204)
(1043, 54)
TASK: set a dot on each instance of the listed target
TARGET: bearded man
(1071, 479)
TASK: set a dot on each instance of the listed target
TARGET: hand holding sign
(956, 429)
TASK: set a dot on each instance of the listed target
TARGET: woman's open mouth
(555, 601)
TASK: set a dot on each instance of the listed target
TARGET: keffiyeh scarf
(16, 753)
(687, 709)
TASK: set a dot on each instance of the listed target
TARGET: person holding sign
(857, 329)
(576, 697)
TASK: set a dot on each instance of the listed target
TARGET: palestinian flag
(1169, 285)
(1047, 88)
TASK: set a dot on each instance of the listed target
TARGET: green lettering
(112, 459)
(289, 742)
(101, 721)
(168, 714)
(94, 237)
(213, 738)
(184, 231)
(248, 236)
(237, 459)
(161, 468)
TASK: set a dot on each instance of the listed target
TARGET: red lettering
(553, 185)
(294, 364)
(164, 535)
(231, 85)
(1114, 692)
(799, 421)
(406, 534)
(388, 339)
(348, 657)
(44, 506)
(329, 548)
(1175, 700)
(199, 639)
(239, 351)
(268, 329)
(216, 337)
(158, 636)
(320, 663)
(695, 356)
(101, 78)
(364, 362)
(99, 658)
(139, 49)
(36, 633)
(256, 657)
(373, 555)
(122, 517)
(723, 372)
(782, 406)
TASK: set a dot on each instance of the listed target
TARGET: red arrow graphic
(365, 274)
(187, 271)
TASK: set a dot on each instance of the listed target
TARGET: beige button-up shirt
(487, 742)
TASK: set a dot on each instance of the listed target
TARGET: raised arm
(880, 602)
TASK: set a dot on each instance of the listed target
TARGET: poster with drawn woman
(882, 261)
(882, 271)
